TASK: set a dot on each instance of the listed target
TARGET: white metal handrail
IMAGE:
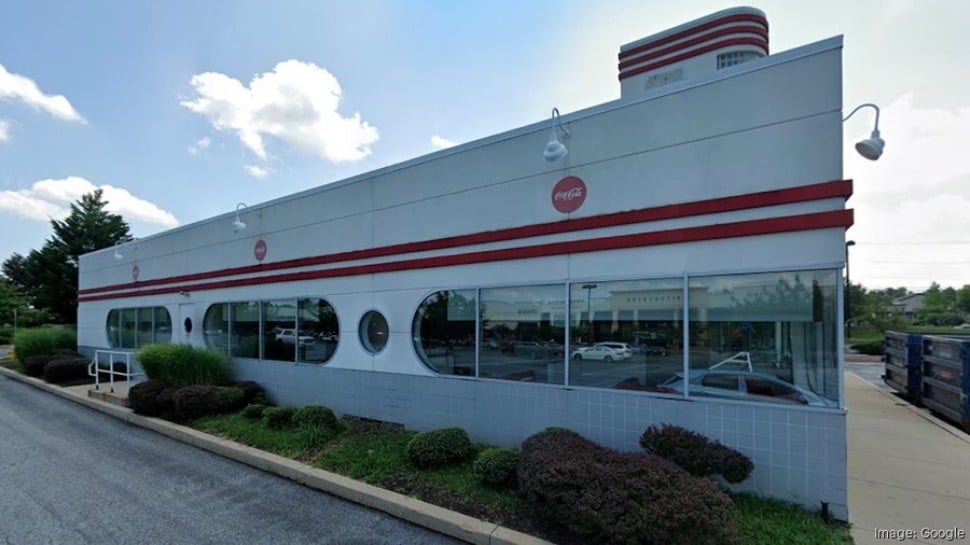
(95, 370)
(741, 357)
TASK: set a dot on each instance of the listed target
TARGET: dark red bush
(66, 369)
(192, 402)
(34, 365)
(623, 498)
(696, 453)
(152, 398)
(253, 393)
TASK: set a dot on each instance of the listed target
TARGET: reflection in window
(373, 331)
(136, 327)
(113, 328)
(523, 333)
(244, 319)
(443, 332)
(163, 325)
(280, 338)
(777, 330)
(319, 329)
(625, 334)
(215, 327)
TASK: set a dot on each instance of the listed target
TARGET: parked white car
(604, 351)
(289, 336)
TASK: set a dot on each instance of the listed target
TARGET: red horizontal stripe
(802, 222)
(825, 190)
(737, 18)
(696, 41)
(755, 42)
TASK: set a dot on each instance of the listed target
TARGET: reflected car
(289, 336)
(743, 385)
(605, 351)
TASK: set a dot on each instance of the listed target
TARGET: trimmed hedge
(194, 402)
(34, 365)
(315, 416)
(152, 398)
(279, 418)
(696, 453)
(66, 369)
(496, 466)
(254, 411)
(184, 365)
(439, 447)
(44, 341)
(873, 348)
(253, 393)
(624, 498)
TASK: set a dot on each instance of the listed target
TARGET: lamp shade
(555, 149)
(871, 148)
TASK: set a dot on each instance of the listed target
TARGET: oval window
(373, 331)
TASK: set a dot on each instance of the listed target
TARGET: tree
(53, 270)
(15, 272)
(963, 299)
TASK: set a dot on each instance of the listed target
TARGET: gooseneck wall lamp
(118, 256)
(556, 150)
(870, 148)
(238, 225)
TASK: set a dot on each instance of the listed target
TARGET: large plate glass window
(280, 338)
(244, 318)
(373, 331)
(443, 332)
(129, 330)
(764, 337)
(113, 328)
(319, 330)
(163, 325)
(215, 327)
(523, 333)
(625, 334)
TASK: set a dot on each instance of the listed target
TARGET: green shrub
(439, 447)
(229, 399)
(196, 401)
(44, 341)
(254, 411)
(315, 416)
(6, 335)
(152, 398)
(66, 369)
(279, 418)
(34, 365)
(184, 365)
(695, 453)
(873, 348)
(612, 497)
(496, 466)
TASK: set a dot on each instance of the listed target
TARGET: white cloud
(4, 131)
(296, 103)
(911, 222)
(257, 171)
(441, 142)
(200, 145)
(15, 87)
(50, 198)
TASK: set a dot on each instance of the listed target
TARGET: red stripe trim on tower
(696, 41)
(741, 17)
(825, 190)
(801, 222)
(755, 42)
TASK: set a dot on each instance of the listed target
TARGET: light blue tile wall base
(799, 455)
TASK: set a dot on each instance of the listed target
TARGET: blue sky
(164, 104)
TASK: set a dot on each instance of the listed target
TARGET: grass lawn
(375, 453)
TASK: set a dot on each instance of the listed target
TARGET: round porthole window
(373, 331)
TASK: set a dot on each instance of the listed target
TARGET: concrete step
(116, 394)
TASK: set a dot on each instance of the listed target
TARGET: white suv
(605, 351)
(289, 336)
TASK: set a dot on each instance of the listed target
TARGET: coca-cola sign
(259, 250)
(569, 194)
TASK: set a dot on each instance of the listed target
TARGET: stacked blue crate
(946, 377)
(904, 361)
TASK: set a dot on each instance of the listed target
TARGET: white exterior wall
(768, 124)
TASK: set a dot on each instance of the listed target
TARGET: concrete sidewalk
(908, 471)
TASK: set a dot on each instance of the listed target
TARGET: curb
(922, 413)
(433, 517)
